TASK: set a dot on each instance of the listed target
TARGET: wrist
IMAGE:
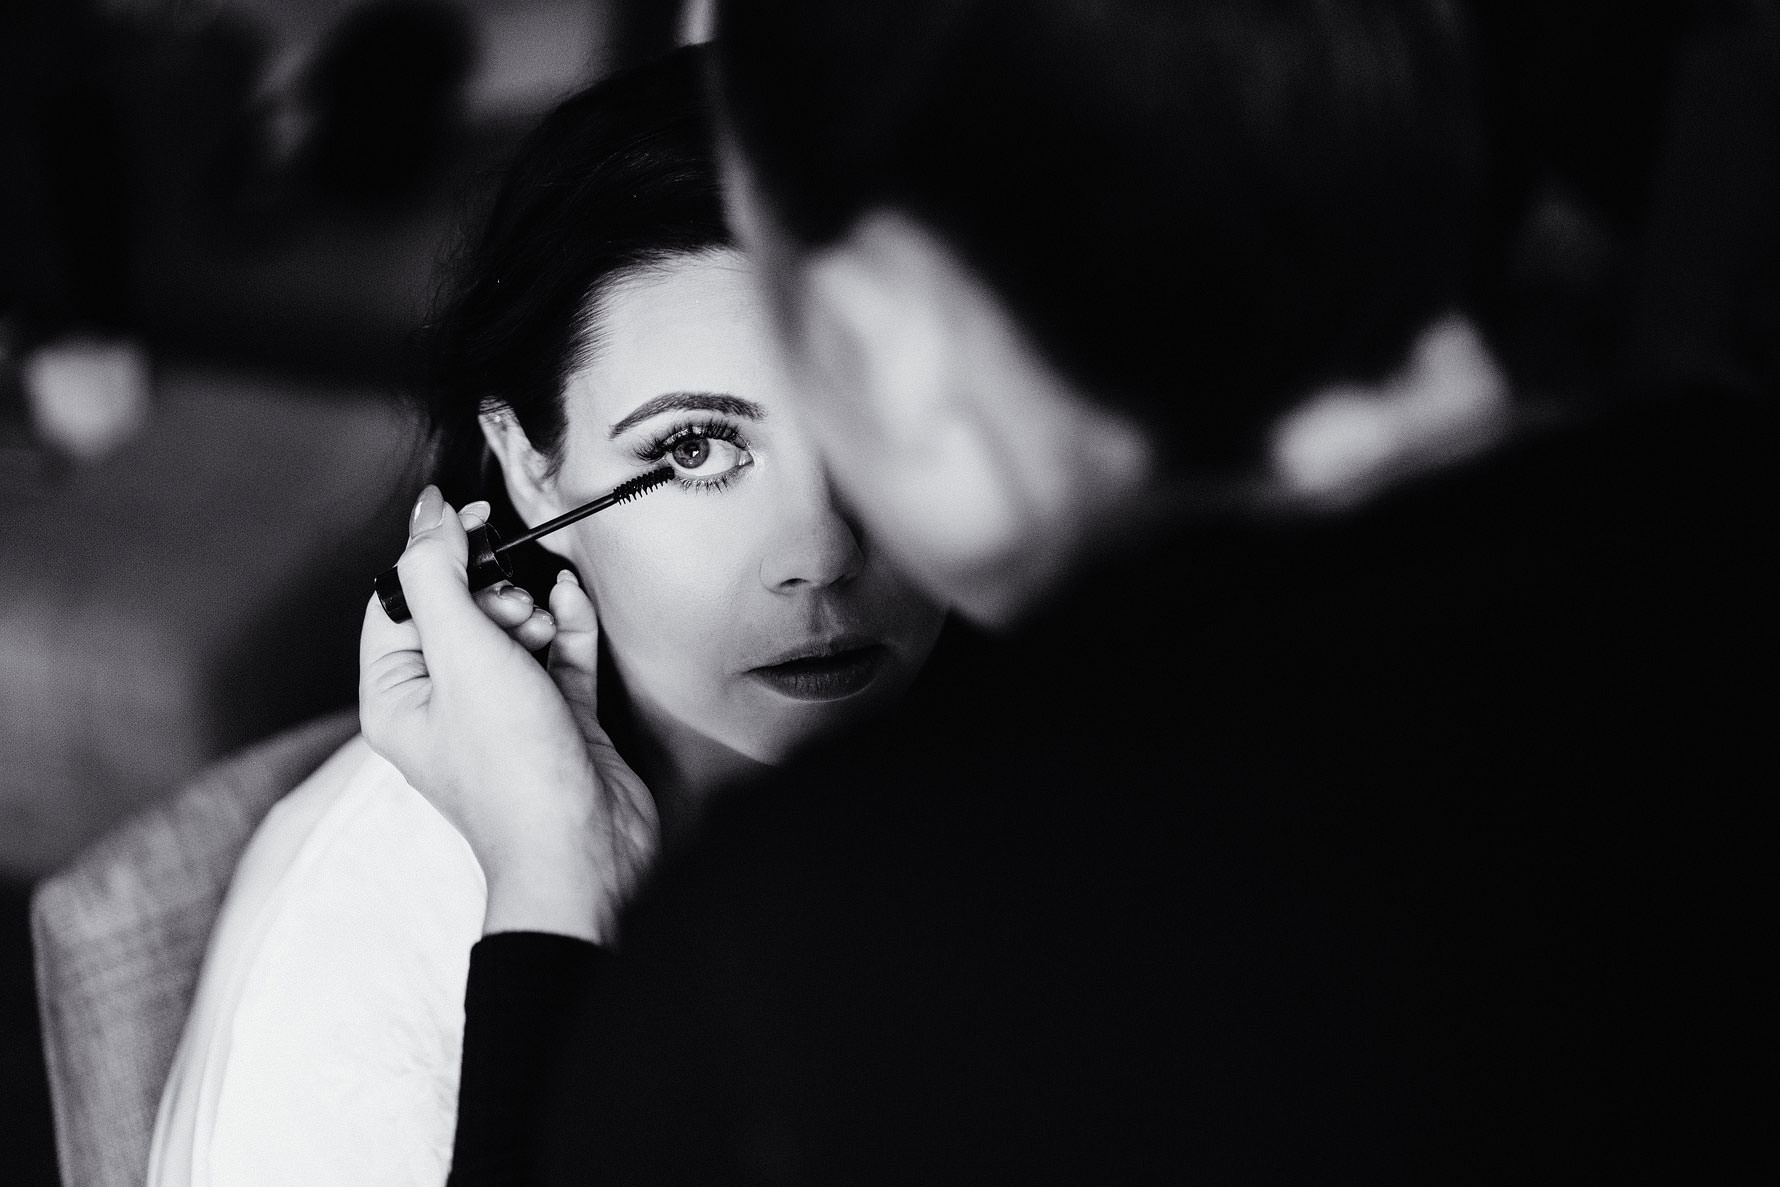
(565, 897)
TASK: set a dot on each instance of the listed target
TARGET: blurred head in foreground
(1033, 262)
(602, 324)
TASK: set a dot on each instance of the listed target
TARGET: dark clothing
(1706, 305)
(523, 989)
(1418, 844)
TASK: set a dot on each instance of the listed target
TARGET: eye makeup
(679, 445)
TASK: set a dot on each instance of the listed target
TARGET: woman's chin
(798, 724)
(766, 719)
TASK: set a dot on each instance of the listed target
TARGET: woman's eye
(706, 457)
(692, 453)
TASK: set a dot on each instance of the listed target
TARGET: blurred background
(220, 222)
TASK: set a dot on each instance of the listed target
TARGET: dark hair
(618, 178)
(1198, 210)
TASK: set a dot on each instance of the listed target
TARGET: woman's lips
(825, 677)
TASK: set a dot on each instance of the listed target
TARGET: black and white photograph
(810, 592)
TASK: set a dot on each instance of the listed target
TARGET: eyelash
(716, 430)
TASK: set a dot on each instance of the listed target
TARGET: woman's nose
(818, 549)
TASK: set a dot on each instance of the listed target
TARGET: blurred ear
(526, 473)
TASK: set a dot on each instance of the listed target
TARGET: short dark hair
(1198, 210)
(616, 179)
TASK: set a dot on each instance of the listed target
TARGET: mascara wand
(487, 566)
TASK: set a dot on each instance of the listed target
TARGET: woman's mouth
(826, 675)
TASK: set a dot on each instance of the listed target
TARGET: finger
(512, 609)
(574, 657)
(536, 632)
(506, 605)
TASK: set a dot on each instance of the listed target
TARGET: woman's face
(738, 605)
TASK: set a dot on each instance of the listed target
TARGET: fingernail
(477, 511)
(516, 594)
(568, 575)
(429, 509)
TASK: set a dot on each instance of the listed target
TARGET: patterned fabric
(120, 935)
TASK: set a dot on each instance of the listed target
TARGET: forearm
(524, 991)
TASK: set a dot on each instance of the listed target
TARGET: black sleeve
(524, 988)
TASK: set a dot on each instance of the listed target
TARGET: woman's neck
(682, 768)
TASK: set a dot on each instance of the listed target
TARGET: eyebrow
(688, 402)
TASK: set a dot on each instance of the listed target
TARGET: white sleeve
(324, 1039)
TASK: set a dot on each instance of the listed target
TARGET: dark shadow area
(24, 1088)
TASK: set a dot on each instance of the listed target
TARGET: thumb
(393, 685)
(574, 655)
(435, 583)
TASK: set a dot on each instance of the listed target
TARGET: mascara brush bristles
(624, 492)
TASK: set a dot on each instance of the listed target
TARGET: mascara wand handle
(624, 492)
(486, 567)
(561, 521)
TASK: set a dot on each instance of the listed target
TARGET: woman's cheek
(665, 594)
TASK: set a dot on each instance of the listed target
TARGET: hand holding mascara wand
(487, 565)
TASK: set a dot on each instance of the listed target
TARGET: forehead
(693, 324)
